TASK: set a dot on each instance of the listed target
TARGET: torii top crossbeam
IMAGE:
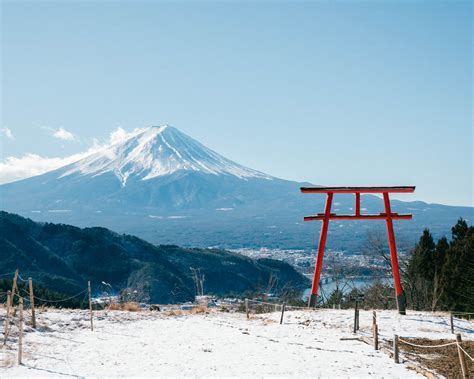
(398, 189)
(357, 191)
(388, 216)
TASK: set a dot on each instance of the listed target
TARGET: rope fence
(23, 280)
(465, 352)
(462, 353)
(16, 319)
(12, 319)
(278, 304)
(57, 301)
(426, 346)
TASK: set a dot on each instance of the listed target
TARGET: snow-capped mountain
(153, 169)
(162, 185)
(158, 151)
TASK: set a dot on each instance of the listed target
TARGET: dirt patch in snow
(444, 360)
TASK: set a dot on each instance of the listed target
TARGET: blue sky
(335, 93)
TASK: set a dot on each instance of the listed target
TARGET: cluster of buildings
(336, 263)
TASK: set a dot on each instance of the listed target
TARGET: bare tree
(198, 280)
(376, 245)
(272, 283)
(343, 275)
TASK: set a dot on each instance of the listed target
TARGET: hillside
(163, 186)
(172, 343)
(64, 258)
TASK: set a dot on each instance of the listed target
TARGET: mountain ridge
(63, 258)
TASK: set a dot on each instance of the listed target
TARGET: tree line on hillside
(63, 258)
(436, 275)
(441, 275)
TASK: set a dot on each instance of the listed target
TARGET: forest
(436, 275)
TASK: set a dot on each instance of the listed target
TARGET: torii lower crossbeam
(388, 216)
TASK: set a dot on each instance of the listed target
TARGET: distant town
(358, 268)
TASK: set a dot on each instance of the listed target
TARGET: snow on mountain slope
(158, 151)
(217, 344)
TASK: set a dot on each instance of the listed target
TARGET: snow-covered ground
(156, 344)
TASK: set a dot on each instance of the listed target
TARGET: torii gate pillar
(388, 216)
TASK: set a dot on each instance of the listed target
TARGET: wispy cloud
(64, 135)
(16, 168)
(61, 133)
(13, 168)
(7, 133)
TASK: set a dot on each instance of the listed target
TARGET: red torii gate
(388, 216)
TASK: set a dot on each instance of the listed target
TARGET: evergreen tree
(438, 259)
(442, 247)
(442, 275)
(457, 277)
(335, 298)
(425, 253)
(459, 231)
(421, 271)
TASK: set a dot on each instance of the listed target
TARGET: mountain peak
(160, 128)
(157, 151)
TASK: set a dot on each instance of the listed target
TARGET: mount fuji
(157, 152)
(164, 186)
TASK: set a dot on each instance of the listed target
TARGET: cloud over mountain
(31, 164)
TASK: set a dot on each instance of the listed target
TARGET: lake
(329, 284)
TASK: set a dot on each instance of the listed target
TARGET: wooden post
(462, 358)
(452, 323)
(375, 330)
(395, 349)
(282, 313)
(358, 319)
(376, 337)
(247, 308)
(32, 303)
(20, 335)
(355, 318)
(90, 304)
(7, 316)
(14, 286)
(9, 301)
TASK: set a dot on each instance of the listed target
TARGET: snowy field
(157, 344)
